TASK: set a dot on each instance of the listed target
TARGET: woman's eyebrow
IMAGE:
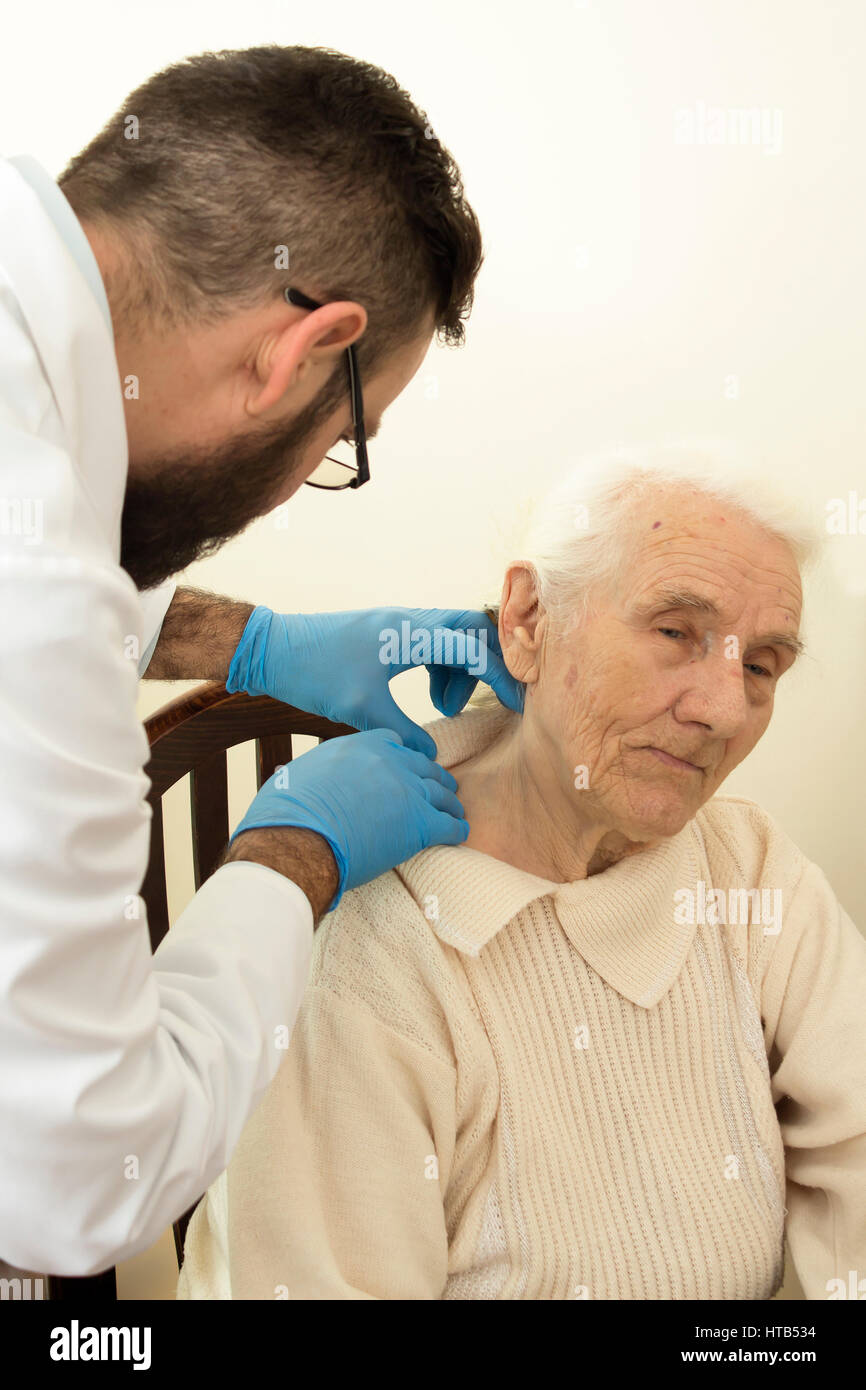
(662, 600)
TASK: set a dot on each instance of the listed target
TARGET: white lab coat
(125, 1077)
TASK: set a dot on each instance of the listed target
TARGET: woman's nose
(715, 692)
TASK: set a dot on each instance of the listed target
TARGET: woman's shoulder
(745, 843)
(377, 950)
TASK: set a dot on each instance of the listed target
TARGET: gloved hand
(376, 803)
(339, 664)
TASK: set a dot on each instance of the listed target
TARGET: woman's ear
(522, 621)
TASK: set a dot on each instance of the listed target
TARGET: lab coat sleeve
(812, 1004)
(127, 1077)
(155, 604)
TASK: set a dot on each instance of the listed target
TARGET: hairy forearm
(198, 637)
(301, 855)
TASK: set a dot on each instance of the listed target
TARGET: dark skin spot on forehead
(655, 524)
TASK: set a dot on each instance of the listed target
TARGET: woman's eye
(674, 632)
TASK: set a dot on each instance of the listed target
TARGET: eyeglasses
(348, 457)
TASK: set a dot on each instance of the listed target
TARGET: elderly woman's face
(656, 699)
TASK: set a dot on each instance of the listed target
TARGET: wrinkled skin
(599, 694)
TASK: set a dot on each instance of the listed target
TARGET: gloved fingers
(443, 798)
(447, 830)
(421, 766)
(459, 620)
(451, 684)
(507, 690)
(385, 713)
(454, 636)
(450, 688)
(439, 676)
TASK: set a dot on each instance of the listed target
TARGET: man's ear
(299, 351)
(522, 623)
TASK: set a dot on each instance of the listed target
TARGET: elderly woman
(611, 1046)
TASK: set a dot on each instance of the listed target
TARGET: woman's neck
(523, 809)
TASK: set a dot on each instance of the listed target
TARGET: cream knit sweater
(501, 1087)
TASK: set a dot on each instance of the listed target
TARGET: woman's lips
(672, 761)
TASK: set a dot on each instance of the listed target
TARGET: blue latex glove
(339, 664)
(376, 802)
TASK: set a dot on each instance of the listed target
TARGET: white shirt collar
(67, 224)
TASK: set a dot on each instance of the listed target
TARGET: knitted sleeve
(813, 994)
(336, 1188)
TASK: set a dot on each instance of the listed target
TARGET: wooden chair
(191, 735)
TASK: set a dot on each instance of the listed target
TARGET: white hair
(580, 533)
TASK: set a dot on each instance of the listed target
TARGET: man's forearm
(301, 855)
(198, 638)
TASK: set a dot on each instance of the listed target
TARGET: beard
(185, 505)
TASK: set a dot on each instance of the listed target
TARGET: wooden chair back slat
(153, 889)
(271, 752)
(209, 811)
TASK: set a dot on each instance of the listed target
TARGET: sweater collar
(621, 921)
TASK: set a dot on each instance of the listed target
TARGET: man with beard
(185, 324)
